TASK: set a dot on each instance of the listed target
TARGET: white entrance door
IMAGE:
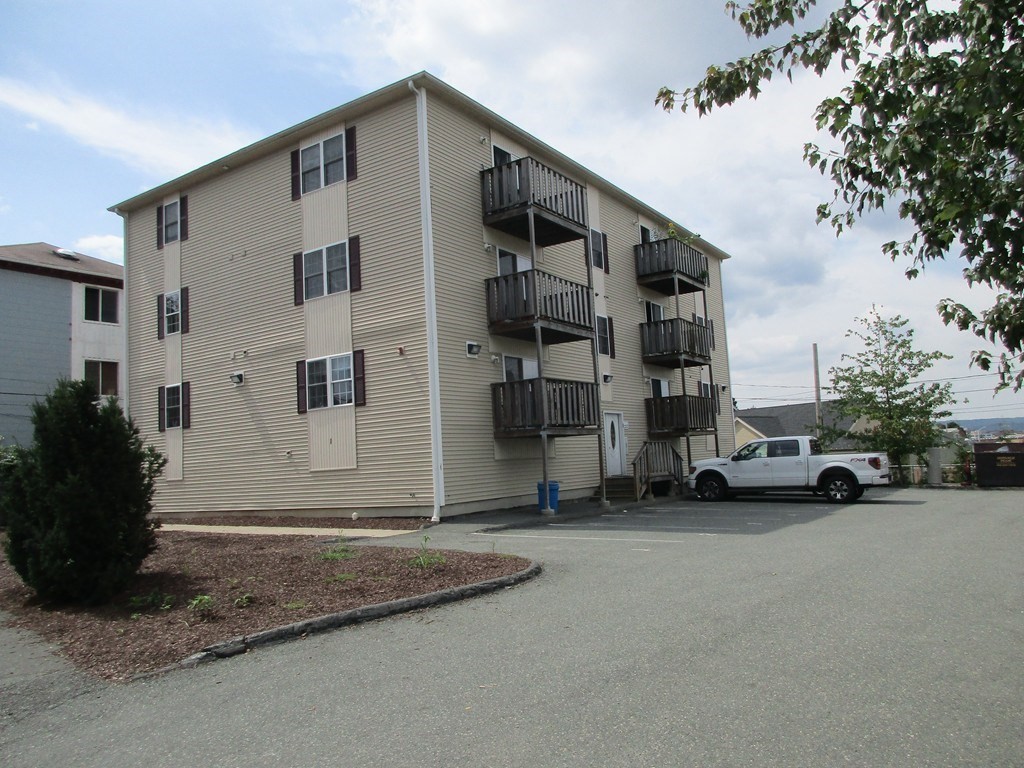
(614, 445)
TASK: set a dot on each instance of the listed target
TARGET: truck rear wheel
(711, 487)
(840, 488)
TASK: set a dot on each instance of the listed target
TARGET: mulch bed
(253, 583)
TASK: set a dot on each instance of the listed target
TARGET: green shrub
(77, 501)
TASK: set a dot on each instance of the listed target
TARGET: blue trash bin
(552, 495)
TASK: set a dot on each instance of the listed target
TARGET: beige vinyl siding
(720, 363)
(145, 273)
(248, 448)
(473, 470)
(332, 438)
(628, 390)
(389, 314)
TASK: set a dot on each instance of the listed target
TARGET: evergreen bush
(77, 501)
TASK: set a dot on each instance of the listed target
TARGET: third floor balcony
(671, 266)
(511, 192)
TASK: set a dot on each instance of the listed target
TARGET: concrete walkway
(267, 530)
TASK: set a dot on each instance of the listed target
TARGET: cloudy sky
(101, 100)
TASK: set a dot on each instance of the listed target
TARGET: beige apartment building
(409, 306)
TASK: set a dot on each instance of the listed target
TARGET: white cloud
(106, 247)
(162, 145)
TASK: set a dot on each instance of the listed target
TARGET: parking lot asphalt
(760, 632)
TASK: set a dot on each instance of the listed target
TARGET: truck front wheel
(711, 487)
(840, 488)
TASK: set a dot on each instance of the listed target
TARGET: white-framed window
(660, 387)
(323, 164)
(172, 312)
(654, 311)
(100, 305)
(509, 262)
(599, 250)
(605, 339)
(172, 406)
(102, 374)
(329, 382)
(520, 368)
(325, 270)
(172, 220)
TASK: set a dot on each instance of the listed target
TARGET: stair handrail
(655, 460)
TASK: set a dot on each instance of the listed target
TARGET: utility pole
(817, 393)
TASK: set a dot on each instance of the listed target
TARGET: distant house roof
(797, 419)
(51, 261)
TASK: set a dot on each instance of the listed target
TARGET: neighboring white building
(410, 306)
(61, 316)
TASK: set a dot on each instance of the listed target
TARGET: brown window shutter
(183, 303)
(355, 266)
(159, 226)
(186, 405)
(161, 398)
(300, 385)
(607, 260)
(183, 218)
(297, 285)
(359, 377)
(611, 339)
(350, 153)
(296, 176)
(160, 316)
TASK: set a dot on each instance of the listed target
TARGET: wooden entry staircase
(657, 461)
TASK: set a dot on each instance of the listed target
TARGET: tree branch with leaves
(932, 120)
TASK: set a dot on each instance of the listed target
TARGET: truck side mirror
(735, 457)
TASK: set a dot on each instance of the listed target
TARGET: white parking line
(590, 538)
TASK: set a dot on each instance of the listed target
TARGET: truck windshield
(815, 447)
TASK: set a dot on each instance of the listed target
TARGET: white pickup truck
(789, 464)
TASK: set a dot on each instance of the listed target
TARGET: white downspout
(433, 375)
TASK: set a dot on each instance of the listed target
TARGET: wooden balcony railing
(518, 407)
(564, 309)
(668, 265)
(675, 343)
(511, 190)
(679, 415)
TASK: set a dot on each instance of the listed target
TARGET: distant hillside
(993, 426)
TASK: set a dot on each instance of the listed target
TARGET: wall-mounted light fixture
(488, 247)
(607, 378)
(472, 348)
(724, 387)
(238, 377)
(495, 359)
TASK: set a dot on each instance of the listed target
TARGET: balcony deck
(517, 408)
(511, 192)
(563, 309)
(675, 343)
(668, 266)
(680, 415)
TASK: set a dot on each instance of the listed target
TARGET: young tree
(77, 501)
(901, 415)
(933, 119)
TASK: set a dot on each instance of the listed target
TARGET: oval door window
(611, 435)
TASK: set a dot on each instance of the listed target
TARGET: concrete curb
(301, 629)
